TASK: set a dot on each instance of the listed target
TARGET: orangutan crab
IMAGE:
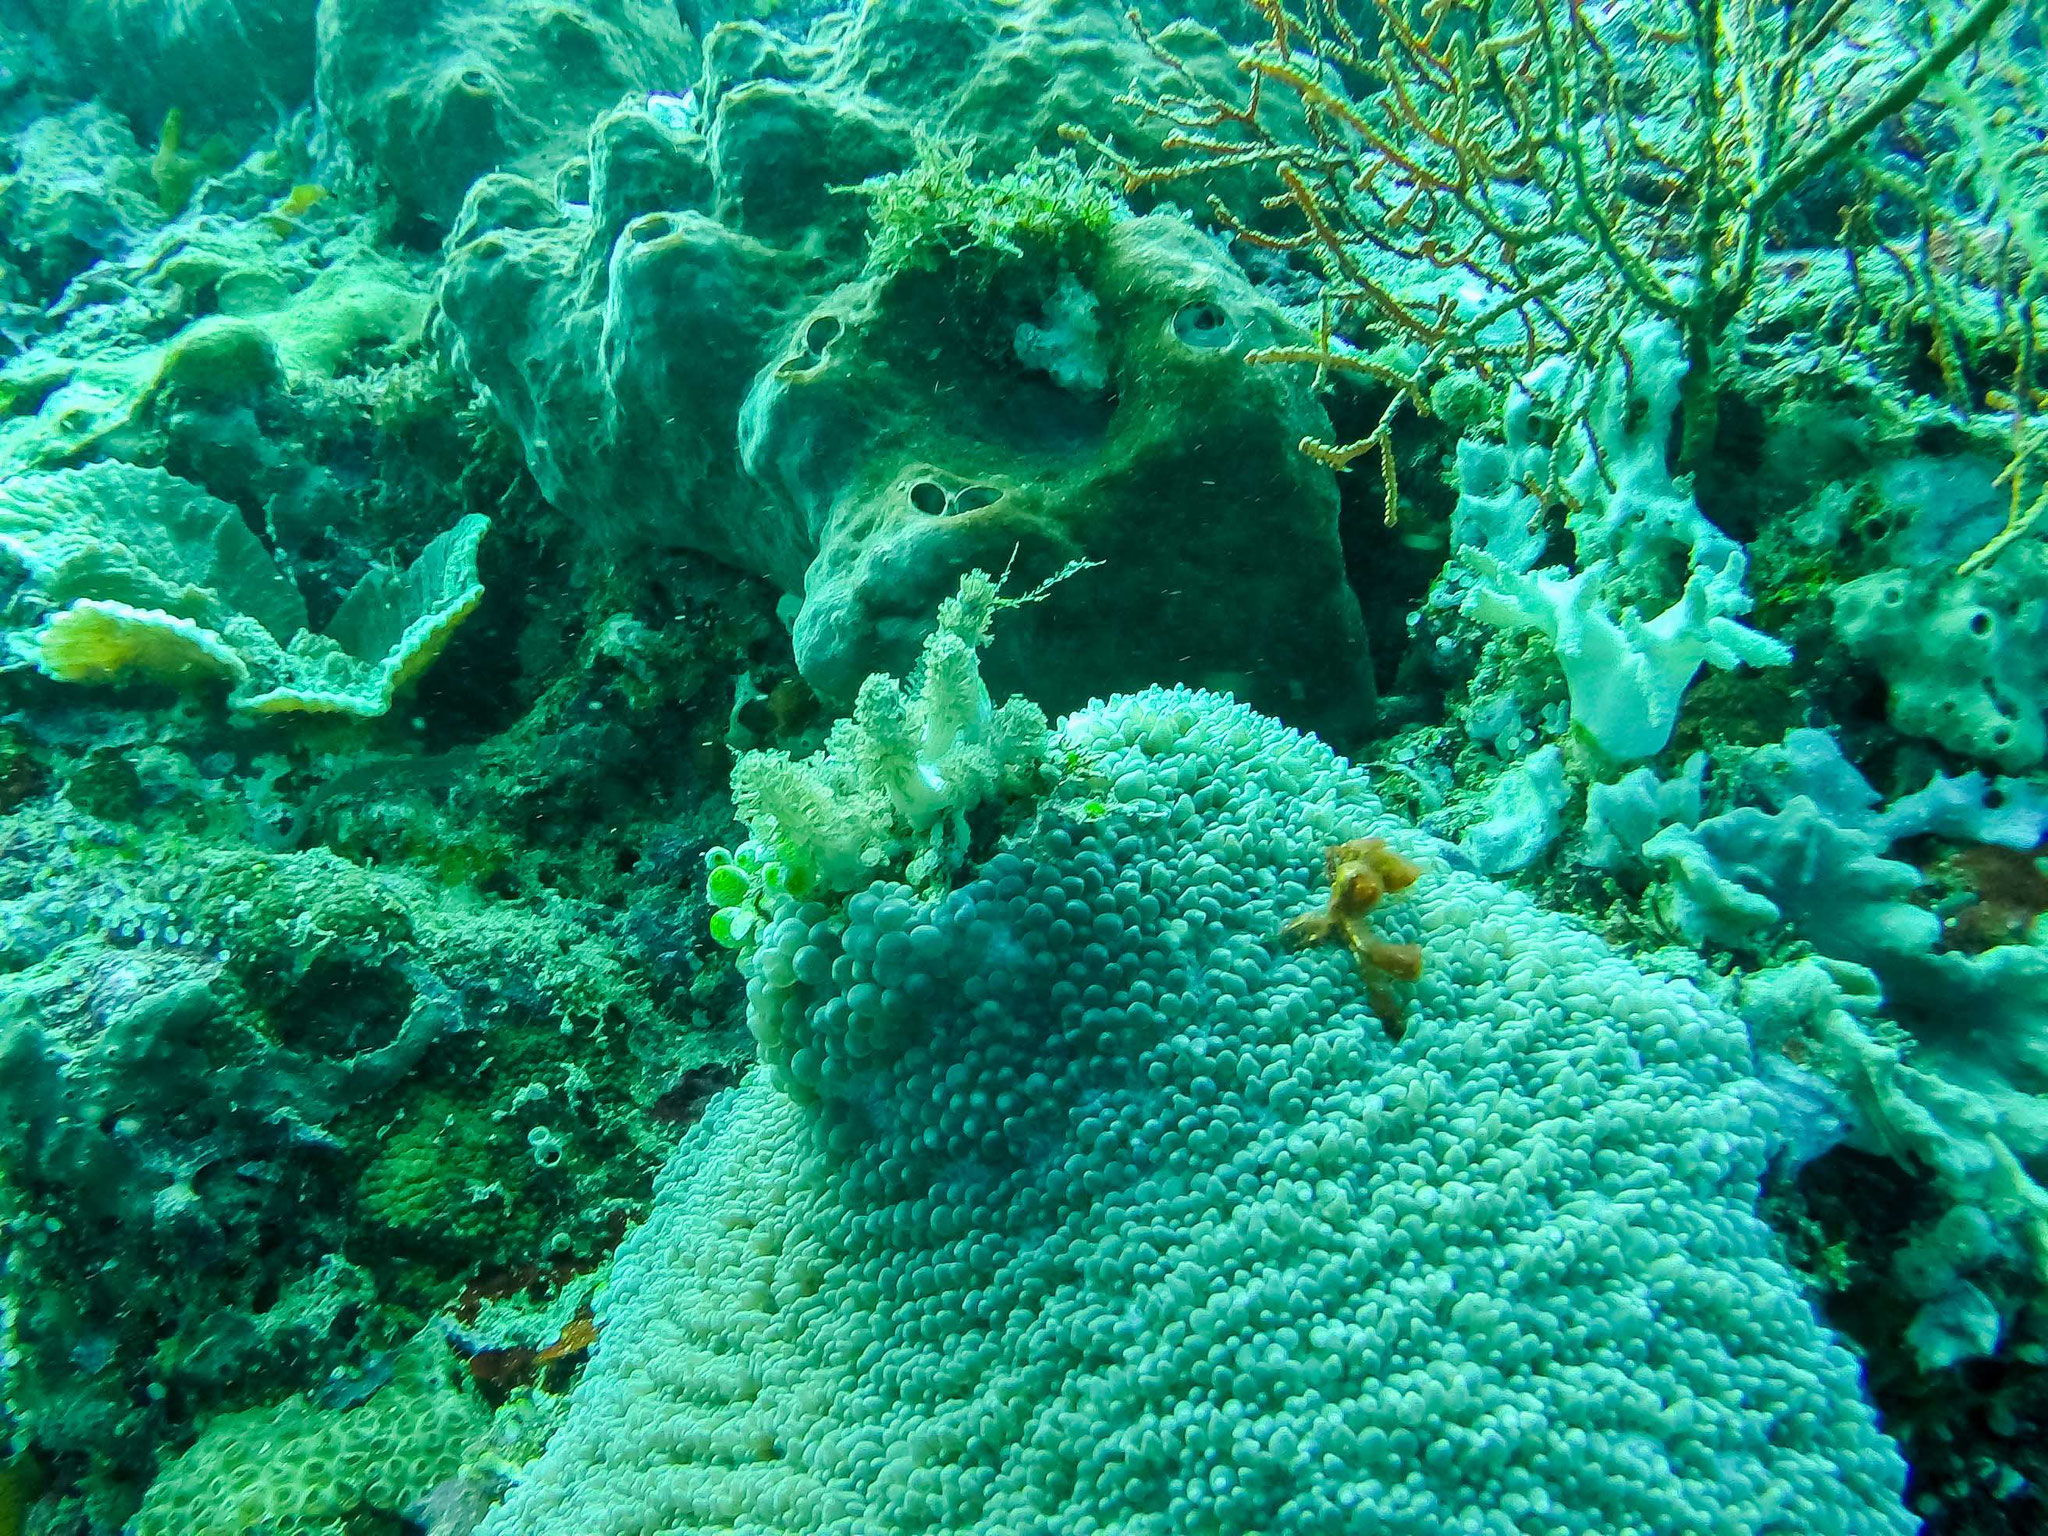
(1361, 872)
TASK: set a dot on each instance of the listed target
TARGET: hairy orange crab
(1361, 873)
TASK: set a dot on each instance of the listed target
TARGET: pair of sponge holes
(934, 500)
(1200, 324)
(1980, 623)
(1957, 711)
(817, 338)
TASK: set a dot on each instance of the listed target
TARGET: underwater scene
(1023, 767)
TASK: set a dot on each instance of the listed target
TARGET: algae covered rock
(175, 1138)
(914, 429)
(228, 344)
(959, 398)
(254, 1104)
(77, 191)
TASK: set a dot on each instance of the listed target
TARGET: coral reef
(467, 466)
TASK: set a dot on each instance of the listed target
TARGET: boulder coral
(1068, 1201)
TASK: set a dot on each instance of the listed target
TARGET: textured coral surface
(1094, 1209)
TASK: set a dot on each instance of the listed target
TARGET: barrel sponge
(1106, 1212)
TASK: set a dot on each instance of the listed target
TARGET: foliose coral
(135, 575)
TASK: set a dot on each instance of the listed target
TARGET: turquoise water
(1260, 766)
